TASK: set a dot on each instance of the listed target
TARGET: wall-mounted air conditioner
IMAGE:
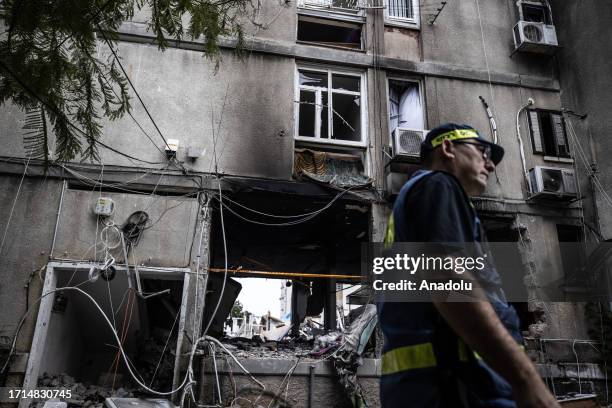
(531, 36)
(407, 144)
(553, 183)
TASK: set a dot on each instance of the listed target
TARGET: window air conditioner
(553, 183)
(535, 37)
(407, 144)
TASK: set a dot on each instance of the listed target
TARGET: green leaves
(51, 67)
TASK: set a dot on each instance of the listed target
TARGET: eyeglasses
(484, 149)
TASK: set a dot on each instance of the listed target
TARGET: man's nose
(489, 165)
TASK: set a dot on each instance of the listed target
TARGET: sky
(259, 296)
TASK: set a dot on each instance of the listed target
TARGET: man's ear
(447, 149)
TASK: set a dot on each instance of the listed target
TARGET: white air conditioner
(407, 144)
(535, 37)
(553, 183)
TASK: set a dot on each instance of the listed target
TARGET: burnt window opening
(329, 244)
(330, 107)
(329, 32)
(572, 254)
(537, 13)
(548, 133)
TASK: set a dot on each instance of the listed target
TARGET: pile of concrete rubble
(85, 396)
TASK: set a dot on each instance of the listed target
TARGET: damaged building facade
(283, 163)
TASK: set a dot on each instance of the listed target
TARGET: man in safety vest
(442, 354)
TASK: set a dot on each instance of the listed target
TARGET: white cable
(244, 370)
(197, 271)
(165, 347)
(212, 316)
(583, 158)
(119, 343)
(484, 50)
(577, 366)
(287, 216)
(8, 222)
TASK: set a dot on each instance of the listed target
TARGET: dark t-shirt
(438, 210)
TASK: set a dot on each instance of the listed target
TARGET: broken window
(329, 32)
(403, 10)
(548, 135)
(535, 12)
(330, 107)
(405, 106)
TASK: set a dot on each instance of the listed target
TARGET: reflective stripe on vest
(408, 358)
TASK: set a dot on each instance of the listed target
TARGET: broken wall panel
(73, 340)
(327, 390)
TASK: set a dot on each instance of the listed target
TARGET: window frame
(412, 22)
(419, 83)
(330, 12)
(330, 91)
(547, 155)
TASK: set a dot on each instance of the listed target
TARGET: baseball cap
(453, 131)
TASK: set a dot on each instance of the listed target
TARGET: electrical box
(194, 152)
(171, 147)
(104, 206)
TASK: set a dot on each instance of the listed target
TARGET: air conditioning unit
(407, 144)
(535, 37)
(553, 183)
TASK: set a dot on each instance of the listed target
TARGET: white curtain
(405, 109)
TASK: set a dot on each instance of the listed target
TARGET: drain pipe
(311, 386)
(57, 218)
(492, 123)
(530, 102)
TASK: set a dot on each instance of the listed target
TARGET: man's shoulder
(437, 182)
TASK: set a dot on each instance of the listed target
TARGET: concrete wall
(327, 391)
(166, 243)
(583, 72)
(26, 249)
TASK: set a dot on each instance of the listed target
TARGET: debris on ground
(82, 395)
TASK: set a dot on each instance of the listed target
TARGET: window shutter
(559, 133)
(536, 133)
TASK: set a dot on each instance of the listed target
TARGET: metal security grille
(401, 9)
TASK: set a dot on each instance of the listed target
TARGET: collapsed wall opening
(311, 242)
(74, 346)
(510, 265)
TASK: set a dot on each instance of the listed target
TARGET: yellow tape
(454, 135)
(408, 358)
(390, 234)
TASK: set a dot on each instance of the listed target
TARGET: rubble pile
(85, 396)
(242, 347)
(155, 361)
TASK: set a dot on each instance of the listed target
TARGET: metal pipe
(530, 102)
(57, 218)
(311, 385)
(287, 274)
